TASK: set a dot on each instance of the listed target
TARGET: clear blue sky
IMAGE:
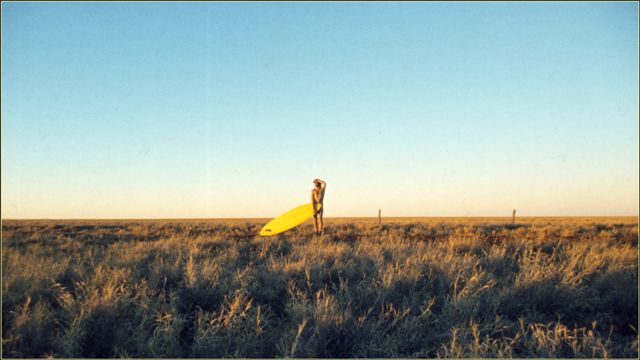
(147, 110)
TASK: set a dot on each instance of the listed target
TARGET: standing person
(317, 197)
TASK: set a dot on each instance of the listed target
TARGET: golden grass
(413, 287)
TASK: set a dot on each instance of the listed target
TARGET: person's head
(316, 183)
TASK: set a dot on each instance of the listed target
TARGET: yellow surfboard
(288, 220)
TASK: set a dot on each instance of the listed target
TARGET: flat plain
(410, 287)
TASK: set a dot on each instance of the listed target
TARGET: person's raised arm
(322, 184)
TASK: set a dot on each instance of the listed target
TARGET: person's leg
(321, 221)
(315, 224)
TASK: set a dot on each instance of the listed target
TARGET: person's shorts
(320, 212)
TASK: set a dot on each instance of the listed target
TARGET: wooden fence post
(379, 216)
(513, 217)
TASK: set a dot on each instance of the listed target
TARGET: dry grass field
(413, 287)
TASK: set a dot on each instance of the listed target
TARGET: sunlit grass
(413, 287)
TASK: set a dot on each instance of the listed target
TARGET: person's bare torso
(318, 195)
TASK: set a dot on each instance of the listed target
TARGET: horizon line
(328, 217)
